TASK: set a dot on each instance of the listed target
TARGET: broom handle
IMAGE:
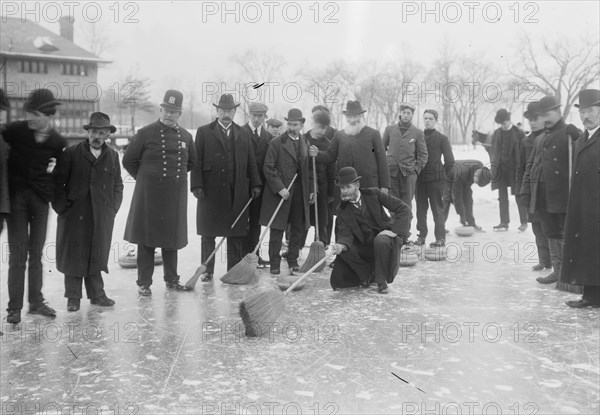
(315, 193)
(314, 267)
(264, 234)
(212, 254)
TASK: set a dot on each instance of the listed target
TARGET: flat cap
(274, 123)
(257, 108)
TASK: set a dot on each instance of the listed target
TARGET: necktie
(356, 204)
(586, 135)
(256, 133)
(226, 132)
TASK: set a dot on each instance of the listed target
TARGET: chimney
(66, 27)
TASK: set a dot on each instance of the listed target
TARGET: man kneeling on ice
(368, 243)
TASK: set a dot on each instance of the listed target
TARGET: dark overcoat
(159, 158)
(281, 165)
(89, 192)
(221, 204)
(364, 152)
(507, 174)
(581, 253)
(326, 175)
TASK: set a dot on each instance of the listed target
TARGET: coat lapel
(374, 209)
(289, 146)
(356, 230)
(589, 142)
(215, 129)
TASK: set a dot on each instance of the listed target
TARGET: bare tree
(560, 67)
(95, 37)
(440, 77)
(134, 94)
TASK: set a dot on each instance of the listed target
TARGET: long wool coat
(89, 192)
(581, 259)
(280, 166)
(221, 205)
(505, 174)
(158, 158)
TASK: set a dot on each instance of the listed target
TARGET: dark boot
(555, 247)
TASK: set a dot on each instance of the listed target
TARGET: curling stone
(285, 281)
(408, 259)
(129, 259)
(435, 254)
(464, 231)
(412, 249)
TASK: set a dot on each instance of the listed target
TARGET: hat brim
(295, 119)
(27, 106)
(228, 107)
(531, 116)
(543, 110)
(337, 182)
(171, 107)
(594, 104)
(110, 126)
(353, 113)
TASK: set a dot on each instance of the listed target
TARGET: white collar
(592, 132)
(294, 139)
(258, 129)
(357, 201)
(223, 127)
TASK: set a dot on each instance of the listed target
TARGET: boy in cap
(274, 126)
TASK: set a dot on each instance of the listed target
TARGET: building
(33, 57)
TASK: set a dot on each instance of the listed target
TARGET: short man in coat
(260, 139)
(406, 154)
(368, 243)
(89, 192)
(536, 124)
(274, 126)
(458, 189)
(224, 179)
(34, 149)
(287, 156)
(159, 157)
(504, 159)
(581, 262)
(432, 181)
(545, 189)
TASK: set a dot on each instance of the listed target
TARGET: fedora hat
(353, 108)
(501, 116)
(548, 103)
(39, 100)
(295, 115)
(226, 102)
(100, 120)
(4, 104)
(173, 100)
(588, 98)
(533, 110)
(346, 175)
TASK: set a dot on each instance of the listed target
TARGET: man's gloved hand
(385, 190)
(313, 151)
(256, 191)
(388, 233)
(338, 248)
(198, 193)
(285, 195)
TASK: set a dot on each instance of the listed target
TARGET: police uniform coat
(89, 192)
(158, 158)
(281, 165)
(220, 207)
(581, 262)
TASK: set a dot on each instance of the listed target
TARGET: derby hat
(39, 100)
(533, 110)
(501, 116)
(485, 177)
(226, 102)
(295, 115)
(588, 98)
(548, 103)
(173, 100)
(100, 120)
(257, 108)
(346, 175)
(353, 108)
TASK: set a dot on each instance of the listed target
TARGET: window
(32, 66)
(77, 69)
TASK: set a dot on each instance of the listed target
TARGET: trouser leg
(542, 244)
(435, 193)
(275, 238)
(503, 203)
(94, 285)
(297, 226)
(208, 246)
(145, 264)
(387, 253)
(169, 257)
(73, 286)
(235, 250)
(422, 208)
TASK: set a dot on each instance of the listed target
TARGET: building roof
(24, 38)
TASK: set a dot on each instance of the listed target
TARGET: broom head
(285, 281)
(570, 288)
(243, 272)
(260, 311)
(191, 283)
(316, 253)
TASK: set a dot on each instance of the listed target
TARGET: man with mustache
(545, 189)
(34, 149)
(368, 243)
(581, 264)
(159, 158)
(224, 178)
(89, 191)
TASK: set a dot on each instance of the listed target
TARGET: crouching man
(88, 195)
(368, 243)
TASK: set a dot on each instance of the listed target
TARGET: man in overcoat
(35, 146)
(260, 139)
(159, 157)
(89, 192)
(368, 243)
(4, 196)
(287, 156)
(224, 179)
(581, 262)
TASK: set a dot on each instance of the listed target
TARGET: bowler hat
(257, 108)
(4, 104)
(501, 116)
(548, 103)
(346, 175)
(533, 110)
(100, 120)
(485, 177)
(39, 100)
(173, 100)
(274, 122)
(226, 102)
(353, 108)
(406, 105)
(295, 115)
(588, 98)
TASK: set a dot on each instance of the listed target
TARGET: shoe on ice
(73, 304)
(103, 301)
(144, 290)
(43, 309)
(501, 227)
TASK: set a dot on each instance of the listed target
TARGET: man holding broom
(368, 243)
